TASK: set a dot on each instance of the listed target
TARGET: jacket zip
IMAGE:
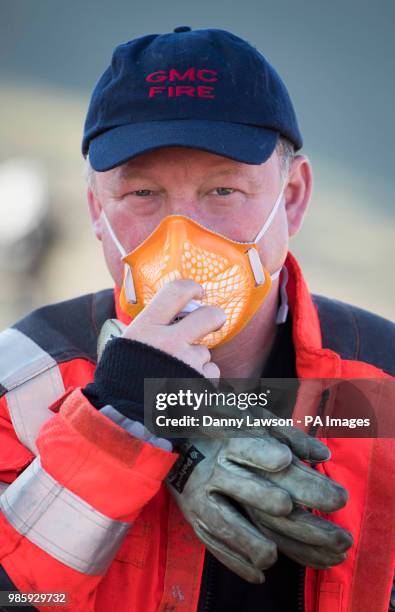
(300, 604)
(207, 593)
(320, 412)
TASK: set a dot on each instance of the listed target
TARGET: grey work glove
(263, 475)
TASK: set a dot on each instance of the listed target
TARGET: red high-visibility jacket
(87, 512)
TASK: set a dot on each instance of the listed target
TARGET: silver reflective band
(33, 381)
(3, 487)
(61, 523)
(135, 428)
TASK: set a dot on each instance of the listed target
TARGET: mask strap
(113, 236)
(130, 292)
(271, 216)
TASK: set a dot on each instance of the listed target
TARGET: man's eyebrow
(234, 172)
(228, 171)
(126, 172)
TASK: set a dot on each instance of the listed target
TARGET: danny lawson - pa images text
(248, 421)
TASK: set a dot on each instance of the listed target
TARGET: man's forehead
(208, 164)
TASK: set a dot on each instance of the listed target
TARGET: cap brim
(244, 143)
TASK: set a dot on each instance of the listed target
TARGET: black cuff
(119, 376)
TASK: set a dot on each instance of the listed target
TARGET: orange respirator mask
(230, 272)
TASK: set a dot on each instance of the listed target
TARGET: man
(193, 181)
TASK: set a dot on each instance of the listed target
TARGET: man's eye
(223, 191)
(142, 192)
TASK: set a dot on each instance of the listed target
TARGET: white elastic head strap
(113, 236)
(270, 218)
(130, 290)
(256, 263)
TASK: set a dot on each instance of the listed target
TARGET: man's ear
(298, 192)
(95, 210)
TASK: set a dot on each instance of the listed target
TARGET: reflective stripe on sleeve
(33, 382)
(3, 487)
(61, 523)
(135, 428)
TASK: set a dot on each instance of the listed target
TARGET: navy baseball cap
(203, 89)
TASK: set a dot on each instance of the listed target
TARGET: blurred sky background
(338, 61)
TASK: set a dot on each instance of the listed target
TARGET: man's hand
(153, 325)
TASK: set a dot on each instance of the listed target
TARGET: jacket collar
(312, 361)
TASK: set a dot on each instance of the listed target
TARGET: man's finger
(305, 527)
(202, 353)
(211, 370)
(170, 300)
(234, 532)
(232, 560)
(303, 445)
(264, 453)
(308, 487)
(311, 556)
(201, 322)
(246, 488)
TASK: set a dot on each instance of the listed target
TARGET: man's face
(229, 197)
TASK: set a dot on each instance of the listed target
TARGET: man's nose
(182, 204)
